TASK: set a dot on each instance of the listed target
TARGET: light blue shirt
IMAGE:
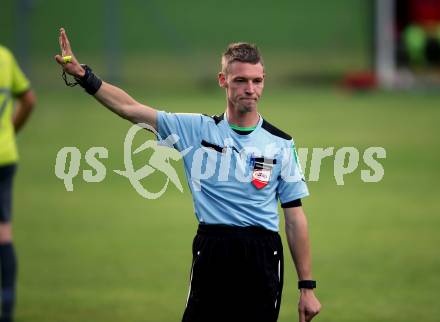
(235, 179)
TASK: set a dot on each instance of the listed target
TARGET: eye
(258, 81)
(240, 80)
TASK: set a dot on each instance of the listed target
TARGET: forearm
(119, 102)
(115, 99)
(298, 240)
(23, 110)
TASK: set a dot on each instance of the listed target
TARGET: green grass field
(102, 253)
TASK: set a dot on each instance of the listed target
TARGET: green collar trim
(239, 128)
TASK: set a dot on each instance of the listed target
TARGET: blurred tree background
(149, 42)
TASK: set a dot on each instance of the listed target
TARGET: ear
(222, 80)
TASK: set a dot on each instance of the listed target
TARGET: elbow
(28, 101)
(291, 228)
(32, 101)
(295, 219)
(289, 225)
(133, 113)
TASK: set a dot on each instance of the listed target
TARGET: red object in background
(363, 80)
(424, 11)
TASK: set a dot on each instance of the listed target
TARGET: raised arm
(112, 97)
(298, 240)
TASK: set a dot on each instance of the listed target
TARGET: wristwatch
(309, 284)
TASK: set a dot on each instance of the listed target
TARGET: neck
(242, 119)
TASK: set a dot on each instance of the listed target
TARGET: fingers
(64, 60)
(59, 59)
(68, 48)
(308, 306)
(302, 316)
(64, 43)
(306, 315)
(310, 314)
(62, 39)
(61, 44)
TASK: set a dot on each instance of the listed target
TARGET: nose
(250, 88)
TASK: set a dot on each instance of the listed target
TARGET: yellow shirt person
(14, 86)
(13, 83)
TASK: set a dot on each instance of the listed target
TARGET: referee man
(237, 268)
(13, 85)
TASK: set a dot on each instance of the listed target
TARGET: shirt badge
(262, 171)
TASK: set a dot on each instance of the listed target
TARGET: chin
(247, 108)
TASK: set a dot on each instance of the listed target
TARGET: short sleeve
(186, 127)
(19, 82)
(291, 182)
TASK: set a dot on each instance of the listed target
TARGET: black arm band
(310, 284)
(90, 82)
(292, 204)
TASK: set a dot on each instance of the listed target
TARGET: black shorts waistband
(212, 230)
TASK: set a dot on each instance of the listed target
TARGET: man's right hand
(73, 67)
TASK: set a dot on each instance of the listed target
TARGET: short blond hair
(242, 52)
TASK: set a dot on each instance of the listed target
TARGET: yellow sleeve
(19, 82)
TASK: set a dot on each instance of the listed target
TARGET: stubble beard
(243, 109)
(246, 108)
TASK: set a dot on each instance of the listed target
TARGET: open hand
(73, 67)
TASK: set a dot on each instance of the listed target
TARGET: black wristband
(90, 82)
(310, 284)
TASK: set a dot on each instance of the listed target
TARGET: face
(244, 83)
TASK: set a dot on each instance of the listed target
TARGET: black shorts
(6, 178)
(236, 275)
